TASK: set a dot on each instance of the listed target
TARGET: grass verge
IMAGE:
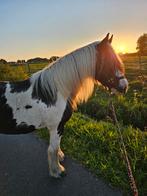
(96, 145)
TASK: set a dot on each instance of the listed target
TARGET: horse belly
(8, 124)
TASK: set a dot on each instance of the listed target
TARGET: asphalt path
(24, 172)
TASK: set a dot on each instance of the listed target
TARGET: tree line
(29, 61)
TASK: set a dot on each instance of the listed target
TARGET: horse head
(109, 67)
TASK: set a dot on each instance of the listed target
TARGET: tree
(3, 61)
(53, 58)
(20, 61)
(142, 44)
(38, 60)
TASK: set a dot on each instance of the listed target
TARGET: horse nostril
(122, 89)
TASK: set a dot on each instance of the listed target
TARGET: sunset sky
(32, 28)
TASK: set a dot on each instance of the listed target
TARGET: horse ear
(107, 36)
(105, 40)
(110, 40)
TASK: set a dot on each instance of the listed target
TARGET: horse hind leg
(54, 153)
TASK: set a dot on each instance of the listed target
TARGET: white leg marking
(61, 155)
(55, 168)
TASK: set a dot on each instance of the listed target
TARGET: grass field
(92, 139)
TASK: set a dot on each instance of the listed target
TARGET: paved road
(24, 172)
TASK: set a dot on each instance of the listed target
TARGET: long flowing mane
(71, 75)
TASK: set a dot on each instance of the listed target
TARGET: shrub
(134, 113)
(129, 109)
(9, 73)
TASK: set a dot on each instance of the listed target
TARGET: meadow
(91, 137)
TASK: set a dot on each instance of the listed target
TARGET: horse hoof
(58, 173)
(63, 173)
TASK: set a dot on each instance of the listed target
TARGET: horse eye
(111, 80)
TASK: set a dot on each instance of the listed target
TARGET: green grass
(131, 109)
(96, 145)
(8, 72)
(34, 67)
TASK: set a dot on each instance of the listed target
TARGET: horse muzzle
(123, 85)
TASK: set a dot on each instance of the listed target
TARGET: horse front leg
(54, 153)
(61, 155)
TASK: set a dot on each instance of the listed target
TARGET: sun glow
(121, 49)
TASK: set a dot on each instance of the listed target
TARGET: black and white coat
(22, 111)
(48, 98)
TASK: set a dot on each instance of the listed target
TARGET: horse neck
(74, 74)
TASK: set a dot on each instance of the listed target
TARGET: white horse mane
(72, 75)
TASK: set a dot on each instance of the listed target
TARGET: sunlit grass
(96, 145)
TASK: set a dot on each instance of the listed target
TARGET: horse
(49, 97)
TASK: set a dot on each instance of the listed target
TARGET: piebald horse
(48, 97)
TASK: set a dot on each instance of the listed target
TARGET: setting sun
(121, 49)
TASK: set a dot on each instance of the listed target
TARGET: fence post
(28, 68)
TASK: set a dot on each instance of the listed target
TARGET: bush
(129, 109)
(13, 74)
(134, 113)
